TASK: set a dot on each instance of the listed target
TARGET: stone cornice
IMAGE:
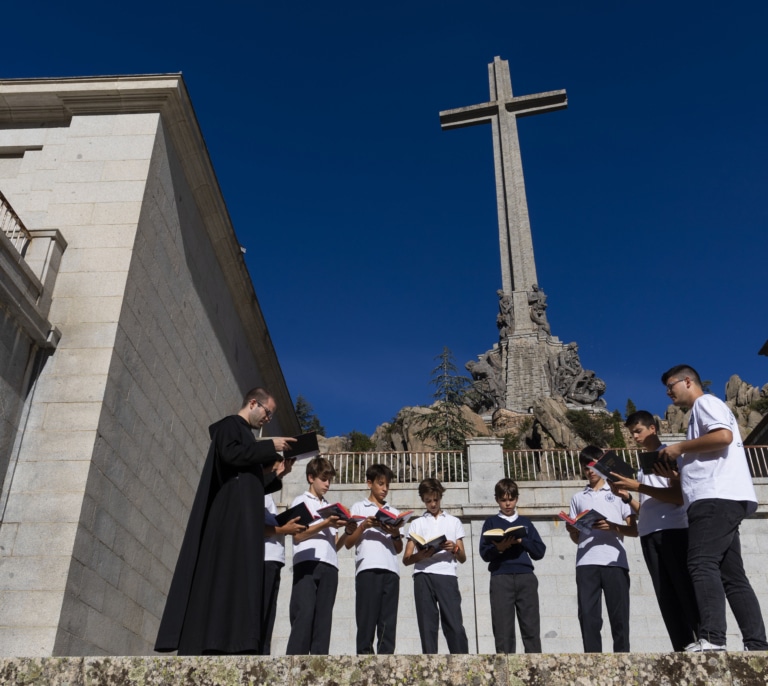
(49, 101)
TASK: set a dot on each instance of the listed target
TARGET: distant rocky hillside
(748, 403)
(547, 426)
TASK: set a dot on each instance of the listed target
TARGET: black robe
(215, 600)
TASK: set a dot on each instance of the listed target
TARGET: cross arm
(526, 105)
(468, 116)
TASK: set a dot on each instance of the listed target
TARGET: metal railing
(563, 465)
(13, 228)
(408, 467)
(451, 466)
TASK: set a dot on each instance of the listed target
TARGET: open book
(336, 510)
(391, 519)
(584, 520)
(611, 462)
(423, 544)
(300, 510)
(304, 448)
(499, 535)
(649, 460)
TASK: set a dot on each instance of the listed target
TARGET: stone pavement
(713, 669)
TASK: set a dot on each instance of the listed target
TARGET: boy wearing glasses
(718, 493)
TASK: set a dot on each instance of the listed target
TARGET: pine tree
(445, 426)
(358, 442)
(631, 408)
(308, 420)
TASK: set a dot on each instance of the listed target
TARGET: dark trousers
(311, 608)
(269, 603)
(717, 572)
(433, 591)
(510, 594)
(377, 592)
(592, 581)
(666, 555)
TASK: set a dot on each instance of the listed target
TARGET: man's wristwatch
(628, 500)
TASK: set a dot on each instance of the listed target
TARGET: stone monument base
(526, 357)
(713, 669)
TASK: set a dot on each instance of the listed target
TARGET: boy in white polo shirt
(315, 567)
(435, 583)
(377, 569)
(663, 530)
(718, 492)
(601, 560)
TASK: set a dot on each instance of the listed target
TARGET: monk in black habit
(215, 600)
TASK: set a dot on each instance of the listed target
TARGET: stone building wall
(161, 334)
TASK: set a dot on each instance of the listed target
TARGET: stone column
(486, 467)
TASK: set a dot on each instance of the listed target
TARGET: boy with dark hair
(718, 493)
(315, 567)
(377, 569)
(601, 560)
(514, 587)
(663, 530)
(435, 584)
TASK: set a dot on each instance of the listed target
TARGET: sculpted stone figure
(488, 381)
(571, 381)
(505, 319)
(537, 299)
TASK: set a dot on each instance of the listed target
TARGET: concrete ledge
(712, 669)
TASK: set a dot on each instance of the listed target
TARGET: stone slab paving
(712, 669)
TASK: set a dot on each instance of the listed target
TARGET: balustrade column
(486, 467)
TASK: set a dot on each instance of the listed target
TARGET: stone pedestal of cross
(525, 343)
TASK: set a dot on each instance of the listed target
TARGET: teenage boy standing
(663, 530)
(377, 569)
(718, 492)
(601, 560)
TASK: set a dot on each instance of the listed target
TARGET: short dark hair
(590, 454)
(506, 487)
(682, 370)
(644, 418)
(429, 486)
(376, 471)
(320, 467)
(258, 394)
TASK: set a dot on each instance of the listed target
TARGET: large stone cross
(518, 268)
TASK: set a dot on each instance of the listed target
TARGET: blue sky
(371, 234)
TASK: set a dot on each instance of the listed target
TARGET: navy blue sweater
(517, 558)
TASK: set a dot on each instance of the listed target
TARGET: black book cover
(611, 462)
(305, 447)
(301, 511)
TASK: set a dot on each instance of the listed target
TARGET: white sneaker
(703, 645)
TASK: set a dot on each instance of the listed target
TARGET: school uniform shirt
(724, 473)
(656, 515)
(274, 546)
(428, 527)
(322, 546)
(375, 548)
(604, 548)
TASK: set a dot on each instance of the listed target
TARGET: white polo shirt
(656, 515)
(428, 527)
(322, 546)
(274, 546)
(603, 548)
(722, 473)
(374, 549)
